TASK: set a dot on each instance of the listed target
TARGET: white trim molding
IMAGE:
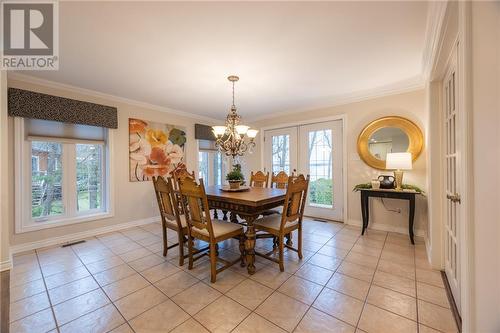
(6, 265)
(435, 17)
(80, 235)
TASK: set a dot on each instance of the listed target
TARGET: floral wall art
(155, 149)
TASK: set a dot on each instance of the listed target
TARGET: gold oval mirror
(389, 135)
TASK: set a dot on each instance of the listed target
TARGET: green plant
(403, 186)
(412, 187)
(361, 187)
(321, 191)
(235, 174)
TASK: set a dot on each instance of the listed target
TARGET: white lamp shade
(241, 129)
(251, 133)
(398, 161)
(219, 130)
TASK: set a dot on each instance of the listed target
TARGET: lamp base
(398, 175)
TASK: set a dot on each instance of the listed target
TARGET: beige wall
(485, 163)
(4, 195)
(132, 201)
(410, 105)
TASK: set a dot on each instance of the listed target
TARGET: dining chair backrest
(180, 174)
(280, 180)
(195, 205)
(167, 200)
(259, 179)
(295, 200)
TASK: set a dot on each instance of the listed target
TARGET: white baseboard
(79, 235)
(387, 227)
(6, 265)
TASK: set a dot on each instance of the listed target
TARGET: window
(320, 168)
(63, 179)
(89, 176)
(281, 153)
(203, 166)
(35, 164)
(211, 164)
(46, 183)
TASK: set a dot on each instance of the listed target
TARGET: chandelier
(234, 139)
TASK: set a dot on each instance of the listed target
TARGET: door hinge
(454, 197)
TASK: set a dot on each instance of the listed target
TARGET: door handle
(454, 197)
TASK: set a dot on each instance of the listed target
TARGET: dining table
(248, 205)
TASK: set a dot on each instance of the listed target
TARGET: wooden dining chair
(202, 227)
(171, 218)
(280, 180)
(180, 174)
(290, 220)
(259, 179)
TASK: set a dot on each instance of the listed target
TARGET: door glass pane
(281, 153)
(217, 168)
(46, 179)
(320, 168)
(203, 166)
(89, 160)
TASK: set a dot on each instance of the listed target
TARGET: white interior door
(452, 172)
(280, 150)
(320, 156)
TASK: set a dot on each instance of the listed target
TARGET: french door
(452, 184)
(314, 149)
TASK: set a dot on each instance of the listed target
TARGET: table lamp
(398, 162)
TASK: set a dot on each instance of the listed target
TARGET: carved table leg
(250, 244)
(242, 251)
(289, 241)
(216, 214)
(224, 217)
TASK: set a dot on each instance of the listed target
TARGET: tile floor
(120, 283)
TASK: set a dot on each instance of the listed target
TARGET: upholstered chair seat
(219, 228)
(273, 222)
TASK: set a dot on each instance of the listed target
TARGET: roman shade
(29, 104)
(47, 130)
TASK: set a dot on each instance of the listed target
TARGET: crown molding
(415, 83)
(436, 12)
(57, 85)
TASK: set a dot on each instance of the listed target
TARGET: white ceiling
(289, 56)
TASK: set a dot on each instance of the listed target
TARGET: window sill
(62, 222)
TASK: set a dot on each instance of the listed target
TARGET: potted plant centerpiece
(235, 177)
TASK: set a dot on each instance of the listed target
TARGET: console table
(390, 194)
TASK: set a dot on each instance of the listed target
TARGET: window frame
(24, 222)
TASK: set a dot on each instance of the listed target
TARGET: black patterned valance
(203, 132)
(29, 104)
